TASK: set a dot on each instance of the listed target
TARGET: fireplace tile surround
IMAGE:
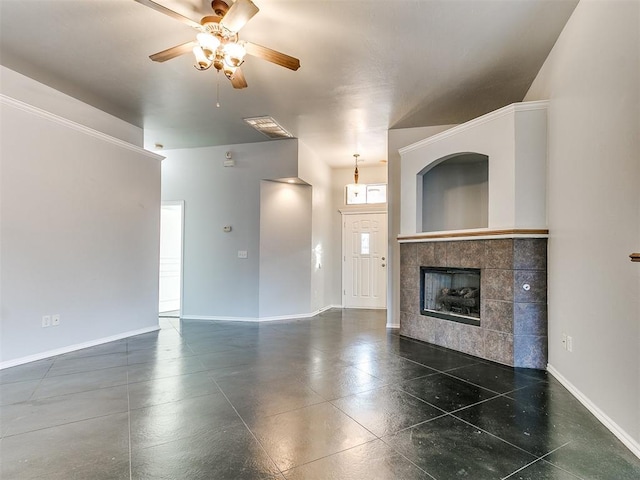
(513, 321)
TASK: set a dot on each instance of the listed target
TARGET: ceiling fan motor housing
(219, 7)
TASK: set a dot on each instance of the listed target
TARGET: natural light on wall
(360, 193)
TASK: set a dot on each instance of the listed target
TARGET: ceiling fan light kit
(218, 44)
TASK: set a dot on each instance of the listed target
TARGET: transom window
(361, 193)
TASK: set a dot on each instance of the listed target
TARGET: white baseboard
(623, 436)
(258, 319)
(73, 348)
(393, 325)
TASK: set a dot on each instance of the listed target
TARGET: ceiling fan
(217, 42)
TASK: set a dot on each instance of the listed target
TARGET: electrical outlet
(570, 343)
(46, 321)
(55, 320)
(242, 254)
(564, 341)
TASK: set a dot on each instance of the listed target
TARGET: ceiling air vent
(268, 127)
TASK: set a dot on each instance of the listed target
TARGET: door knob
(382, 258)
(383, 265)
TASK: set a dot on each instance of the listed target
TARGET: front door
(364, 260)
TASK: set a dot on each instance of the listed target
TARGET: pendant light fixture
(355, 172)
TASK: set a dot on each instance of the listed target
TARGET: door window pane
(364, 244)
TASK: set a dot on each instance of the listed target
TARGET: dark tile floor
(335, 397)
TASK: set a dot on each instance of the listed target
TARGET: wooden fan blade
(238, 80)
(167, 11)
(239, 14)
(272, 56)
(173, 52)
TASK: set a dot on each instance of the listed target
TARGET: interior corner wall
(340, 178)
(216, 283)
(317, 173)
(396, 139)
(285, 253)
(592, 79)
(79, 235)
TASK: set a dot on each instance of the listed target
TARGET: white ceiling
(367, 66)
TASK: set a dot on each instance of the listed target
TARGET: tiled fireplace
(473, 203)
(513, 296)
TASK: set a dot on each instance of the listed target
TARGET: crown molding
(25, 107)
(509, 109)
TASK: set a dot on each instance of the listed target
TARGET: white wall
(501, 135)
(340, 177)
(20, 87)
(397, 139)
(592, 80)
(317, 173)
(285, 253)
(80, 214)
(218, 284)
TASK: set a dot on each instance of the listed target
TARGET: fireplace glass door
(451, 294)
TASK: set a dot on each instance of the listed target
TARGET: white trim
(393, 325)
(361, 209)
(470, 237)
(365, 308)
(25, 107)
(514, 107)
(209, 318)
(623, 436)
(77, 346)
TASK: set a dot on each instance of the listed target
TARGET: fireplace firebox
(451, 294)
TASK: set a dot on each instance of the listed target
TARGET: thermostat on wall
(226, 228)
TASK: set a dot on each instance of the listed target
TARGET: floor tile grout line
(476, 385)
(437, 417)
(423, 400)
(542, 459)
(357, 446)
(452, 412)
(30, 399)
(521, 469)
(361, 425)
(405, 457)
(496, 436)
(79, 391)
(63, 424)
(245, 424)
(129, 428)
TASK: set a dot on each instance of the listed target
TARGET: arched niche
(454, 193)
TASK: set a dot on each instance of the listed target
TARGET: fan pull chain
(218, 89)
